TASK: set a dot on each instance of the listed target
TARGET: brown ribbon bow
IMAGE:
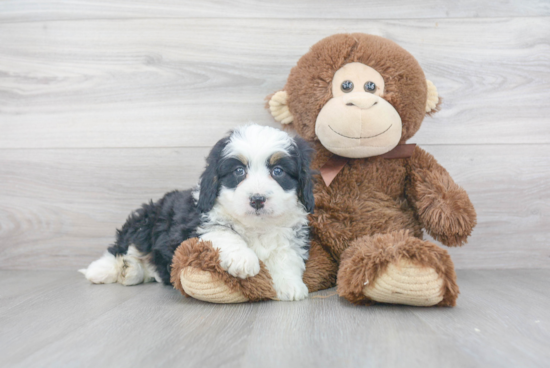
(336, 163)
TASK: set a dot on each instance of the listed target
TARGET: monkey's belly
(340, 221)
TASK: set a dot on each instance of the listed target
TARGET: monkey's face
(355, 109)
(357, 122)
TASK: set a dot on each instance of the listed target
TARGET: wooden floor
(58, 319)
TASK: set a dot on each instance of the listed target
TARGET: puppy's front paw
(240, 263)
(289, 290)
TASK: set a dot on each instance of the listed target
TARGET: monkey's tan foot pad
(201, 285)
(407, 283)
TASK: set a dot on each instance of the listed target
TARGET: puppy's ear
(305, 153)
(210, 185)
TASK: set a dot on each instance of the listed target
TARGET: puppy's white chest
(265, 245)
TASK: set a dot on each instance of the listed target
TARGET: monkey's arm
(442, 206)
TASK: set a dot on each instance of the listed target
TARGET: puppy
(252, 204)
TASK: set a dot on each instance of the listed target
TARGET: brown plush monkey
(359, 98)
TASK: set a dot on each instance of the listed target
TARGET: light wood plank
(156, 327)
(184, 82)
(17, 285)
(36, 10)
(333, 333)
(497, 322)
(59, 208)
(501, 318)
(44, 313)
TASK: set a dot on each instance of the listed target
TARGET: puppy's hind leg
(104, 270)
(136, 268)
(127, 269)
(123, 262)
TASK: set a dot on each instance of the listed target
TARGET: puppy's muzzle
(257, 201)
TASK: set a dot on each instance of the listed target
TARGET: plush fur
(375, 211)
(201, 255)
(382, 197)
(251, 207)
(368, 257)
(443, 207)
(147, 241)
(309, 83)
(376, 197)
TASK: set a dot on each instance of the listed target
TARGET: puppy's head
(257, 172)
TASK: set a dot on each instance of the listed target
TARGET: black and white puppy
(252, 204)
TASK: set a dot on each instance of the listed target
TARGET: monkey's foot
(201, 285)
(406, 283)
(196, 272)
(397, 268)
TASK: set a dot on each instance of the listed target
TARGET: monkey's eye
(277, 171)
(239, 171)
(370, 87)
(347, 86)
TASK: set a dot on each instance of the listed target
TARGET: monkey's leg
(320, 270)
(196, 272)
(397, 268)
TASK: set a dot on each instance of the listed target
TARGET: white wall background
(107, 104)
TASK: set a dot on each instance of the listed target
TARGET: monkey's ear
(279, 108)
(432, 103)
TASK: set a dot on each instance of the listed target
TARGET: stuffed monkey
(359, 98)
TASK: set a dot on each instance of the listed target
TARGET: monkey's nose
(361, 100)
(257, 201)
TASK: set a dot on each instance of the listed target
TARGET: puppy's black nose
(257, 201)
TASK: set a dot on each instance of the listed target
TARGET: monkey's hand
(442, 206)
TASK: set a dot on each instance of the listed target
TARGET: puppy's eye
(370, 87)
(239, 171)
(347, 86)
(277, 171)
